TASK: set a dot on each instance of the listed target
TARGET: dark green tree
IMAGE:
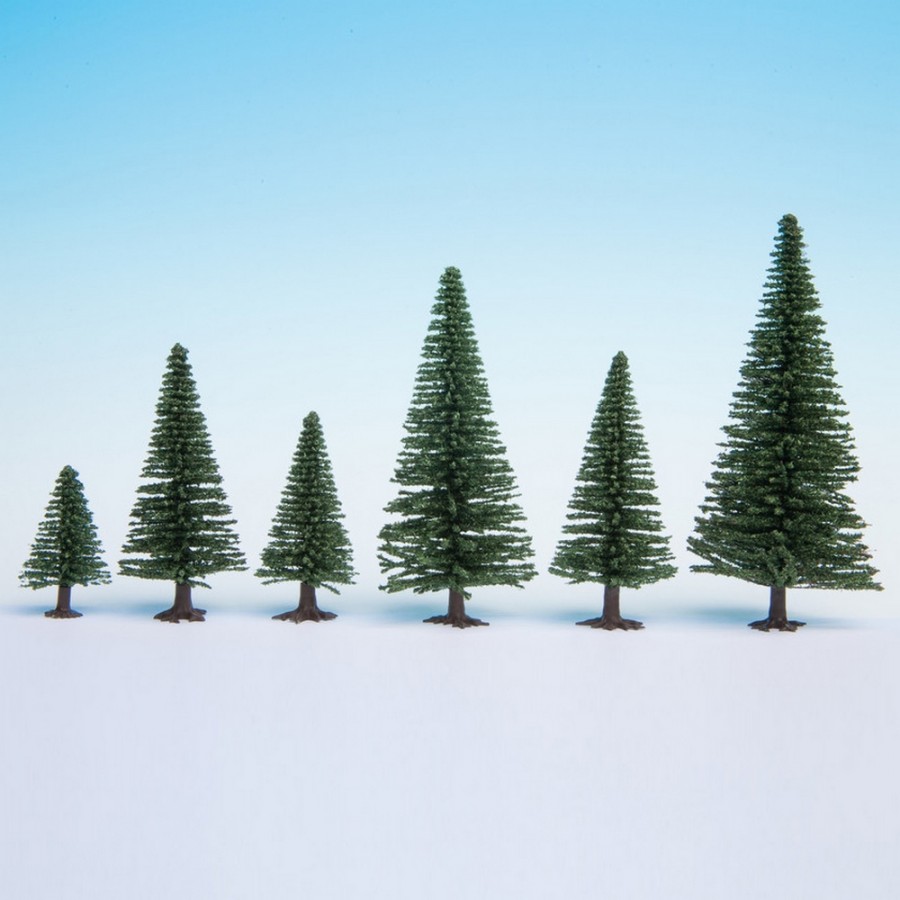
(66, 550)
(777, 513)
(458, 526)
(181, 525)
(616, 534)
(307, 542)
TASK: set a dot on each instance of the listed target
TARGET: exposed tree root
(177, 615)
(62, 614)
(613, 623)
(462, 621)
(771, 624)
(305, 615)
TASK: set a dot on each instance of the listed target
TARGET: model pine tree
(181, 525)
(777, 513)
(459, 525)
(307, 542)
(66, 550)
(616, 533)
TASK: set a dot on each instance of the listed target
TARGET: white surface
(368, 758)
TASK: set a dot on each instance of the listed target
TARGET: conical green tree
(66, 550)
(181, 525)
(307, 542)
(459, 525)
(616, 533)
(777, 513)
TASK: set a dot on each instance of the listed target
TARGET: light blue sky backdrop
(278, 186)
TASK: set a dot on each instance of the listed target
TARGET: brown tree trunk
(612, 620)
(777, 619)
(183, 607)
(63, 605)
(308, 609)
(456, 613)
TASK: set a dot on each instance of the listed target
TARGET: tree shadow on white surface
(410, 612)
(719, 616)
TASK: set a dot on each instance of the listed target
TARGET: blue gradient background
(278, 187)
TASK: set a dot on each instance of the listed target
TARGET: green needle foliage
(180, 527)
(616, 533)
(307, 541)
(66, 550)
(777, 513)
(459, 525)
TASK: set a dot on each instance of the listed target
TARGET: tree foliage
(181, 525)
(307, 541)
(616, 532)
(777, 513)
(459, 522)
(66, 549)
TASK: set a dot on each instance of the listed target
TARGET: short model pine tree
(459, 525)
(616, 534)
(181, 525)
(66, 550)
(307, 542)
(777, 513)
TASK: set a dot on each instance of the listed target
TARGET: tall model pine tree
(777, 513)
(180, 526)
(616, 534)
(66, 550)
(459, 525)
(307, 542)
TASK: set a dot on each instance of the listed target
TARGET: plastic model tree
(66, 550)
(307, 542)
(615, 532)
(181, 525)
(459, 522)
(777, 513)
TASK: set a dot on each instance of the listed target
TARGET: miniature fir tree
(307, 542)
(616, 534)
(777, 513)
(459, 525)
(181, 525)
(66, 550)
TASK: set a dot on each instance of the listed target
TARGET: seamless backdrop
(278, 187)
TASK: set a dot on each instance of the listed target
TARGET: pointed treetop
(178, 358)
(619, 375)
(451, 288)
(178, 354)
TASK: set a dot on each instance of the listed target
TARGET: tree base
(173, 614)
(613, 623)
(457, 621)
(299, 615)
(62, 614)
(771, 624)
